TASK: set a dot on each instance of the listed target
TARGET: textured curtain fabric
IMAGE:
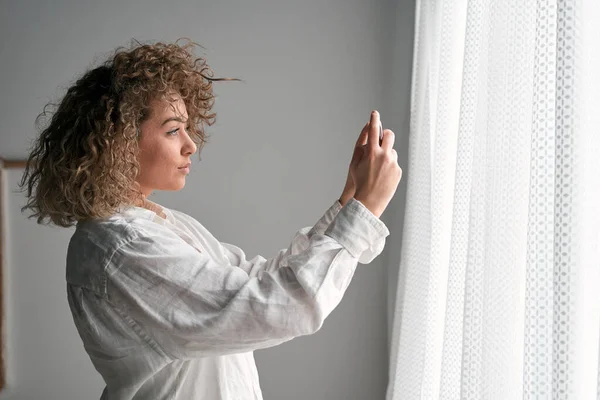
(499, 287)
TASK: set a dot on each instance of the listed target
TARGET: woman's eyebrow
(173, 119)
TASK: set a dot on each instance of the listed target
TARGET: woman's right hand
(376, 171)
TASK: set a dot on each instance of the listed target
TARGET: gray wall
(278, 159)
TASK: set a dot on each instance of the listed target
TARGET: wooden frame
(4, 164)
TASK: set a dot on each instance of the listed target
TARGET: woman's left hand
(350, 187)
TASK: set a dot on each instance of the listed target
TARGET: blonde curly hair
(84, 163)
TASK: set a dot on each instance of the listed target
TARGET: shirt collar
(145, 213)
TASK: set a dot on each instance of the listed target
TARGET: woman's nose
(190, 147)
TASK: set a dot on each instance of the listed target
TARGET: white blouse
(166, 311)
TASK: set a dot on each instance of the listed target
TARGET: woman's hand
(377, 174)
(350, 187)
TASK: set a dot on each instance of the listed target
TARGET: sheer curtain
(499, 288)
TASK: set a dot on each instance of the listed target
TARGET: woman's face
(165, 147)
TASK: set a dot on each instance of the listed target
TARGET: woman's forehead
(168, 107)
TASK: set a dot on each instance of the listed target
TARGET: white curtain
(499, 285)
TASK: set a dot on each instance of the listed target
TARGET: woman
(164, 309)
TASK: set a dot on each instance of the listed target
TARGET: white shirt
(166, 311)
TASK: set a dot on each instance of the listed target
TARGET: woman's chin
(173, 186)
(180, 184)
(177, 187)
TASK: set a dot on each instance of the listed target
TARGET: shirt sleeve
(191, 306)
(300, 242)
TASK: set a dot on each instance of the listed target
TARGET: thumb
(357, 155)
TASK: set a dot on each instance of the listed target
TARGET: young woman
(164, 309)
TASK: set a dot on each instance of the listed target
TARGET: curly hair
(84, 163)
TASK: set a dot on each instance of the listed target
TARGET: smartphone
(380, 133)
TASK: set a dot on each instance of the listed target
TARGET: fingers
(388, 140)
(362, 138)
(373, 135)
(357, 155)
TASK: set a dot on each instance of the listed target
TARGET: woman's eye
(174, 131)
